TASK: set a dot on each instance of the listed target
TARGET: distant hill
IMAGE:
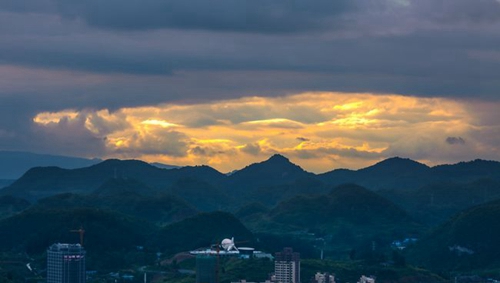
(351, 216)
(203, 230)
(468, 241)
(405, 174)
(269, 182)
(272, 195)
(251, 209)
(41, 182)
(10, 205)
(128, 197)
(201, 194)
(113, 241)
(394, 172)
(120, 186)
(35, 229)
(350, 203)
(164, 166)
(465, 172)
(13, 164)
(5, 182)
(276, 170)
(436, 202)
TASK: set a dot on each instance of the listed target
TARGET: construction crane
(81, 232)
(217, 260)
(217, 266)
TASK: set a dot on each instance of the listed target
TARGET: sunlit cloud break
(319, 131)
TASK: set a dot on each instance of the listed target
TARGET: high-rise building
(206, 269)
(66, 263)
(287, 266)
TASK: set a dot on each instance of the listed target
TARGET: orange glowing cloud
(319, 131)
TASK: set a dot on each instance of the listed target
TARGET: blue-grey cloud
(84, 61)
(423, 63)
(28, 6)
(459, 11)
(455, 140)
(262, 16)
(148, 52)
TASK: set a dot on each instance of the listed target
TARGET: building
(206, 269)
(287, 266)
(324, 278)
(366, 279)
(66, 263)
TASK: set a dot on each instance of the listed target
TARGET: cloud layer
(320, 131)
(109, 60)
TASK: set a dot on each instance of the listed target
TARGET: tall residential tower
(287, 266)
(66, 263)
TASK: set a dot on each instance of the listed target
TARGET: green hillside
(202, 230)
(121, 186)
(41, 182)
(160, 209)
(469, 240)
(35, 229)
(349, 217)
(351, 203)
(251, 209)
(435, 203)
(200, 194)
(272, 195)
(10, 205)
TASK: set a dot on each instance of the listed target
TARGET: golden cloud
(335, 129)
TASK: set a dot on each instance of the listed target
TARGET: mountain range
(448, 206)
(269, 182)
(15, 163)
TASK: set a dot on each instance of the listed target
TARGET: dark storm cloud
(257, 16)
(363, 54)
(252, 148)
(206, 151)
(455, 140)
(372, 46)
(431, 63)
(40, 6)
(109, 54)
(278, 16)
(459, 11)
(65, 137)
(85, 61)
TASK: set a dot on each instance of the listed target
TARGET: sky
(329, 84)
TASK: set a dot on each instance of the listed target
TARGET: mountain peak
(399, 160)
(278, 158)
(272, 171)
(397, 164)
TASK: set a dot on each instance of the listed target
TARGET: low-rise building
(324, 278)
(366, 279)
